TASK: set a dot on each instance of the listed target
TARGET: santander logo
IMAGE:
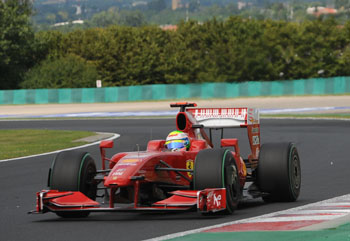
(223, 113)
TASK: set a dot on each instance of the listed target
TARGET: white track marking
(296, 218)
(340, 199)
(324, 211)
(164, 113)
(337, 204)
(115, 136)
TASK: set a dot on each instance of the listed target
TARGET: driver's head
(177, 140)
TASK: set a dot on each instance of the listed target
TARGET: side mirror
(106, 144)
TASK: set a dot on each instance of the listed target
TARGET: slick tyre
(216, 168)
(279, 172)
(73, 171)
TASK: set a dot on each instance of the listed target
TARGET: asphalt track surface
(323, 148)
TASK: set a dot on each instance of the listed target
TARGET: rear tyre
(216, 168)
(74, 171)
(279, 172)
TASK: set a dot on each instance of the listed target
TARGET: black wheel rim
(89, 185)
(230, 180)
(295, 172)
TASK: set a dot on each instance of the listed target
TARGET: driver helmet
(177, 140)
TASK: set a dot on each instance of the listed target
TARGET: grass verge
(25, 142)
(340, 233)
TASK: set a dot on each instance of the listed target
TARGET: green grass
(341, 233)
(17, 143)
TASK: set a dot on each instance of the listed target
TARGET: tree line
(234, 50)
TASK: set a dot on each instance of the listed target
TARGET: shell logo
(130, 160)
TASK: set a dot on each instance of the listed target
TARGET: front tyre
(216, 168)
(279, 172)
(74, 171)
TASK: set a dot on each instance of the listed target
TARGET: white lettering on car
(256, 140)
(217, 200)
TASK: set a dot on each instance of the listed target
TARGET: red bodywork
(131, 171)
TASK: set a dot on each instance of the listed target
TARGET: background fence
(318, 86)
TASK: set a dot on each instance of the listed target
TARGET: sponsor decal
(138, 156)
(222, 113)
(126, 165)
(212, 200)
(130, 160)
(217, 200)
(189, 165)
(252, 120)
(256, 140)
(118, 172)
(255, 130)
(253, 116)
(257, 151)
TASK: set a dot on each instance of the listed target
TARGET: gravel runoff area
(256, 102)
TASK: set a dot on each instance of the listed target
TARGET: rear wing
(193, 120)
(220, 118)
(225, 117)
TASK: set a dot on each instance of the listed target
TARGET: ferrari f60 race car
(201, 178)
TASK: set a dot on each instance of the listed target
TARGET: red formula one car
(199, 177)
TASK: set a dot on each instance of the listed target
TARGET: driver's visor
(175, 144)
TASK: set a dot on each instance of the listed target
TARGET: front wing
(207, 200)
